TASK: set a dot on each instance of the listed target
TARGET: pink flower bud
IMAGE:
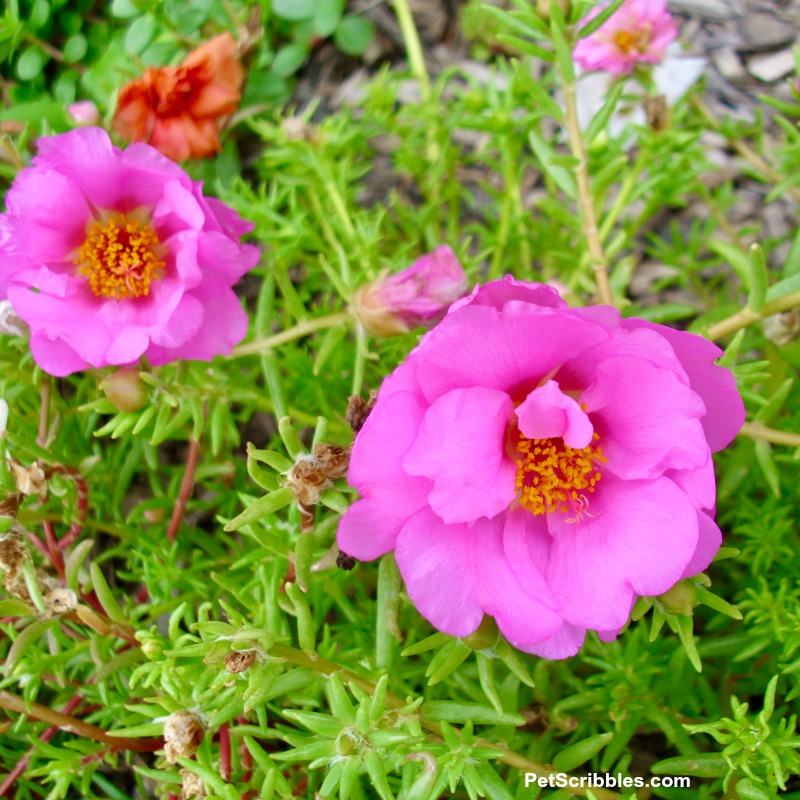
(417, 296)
(84, 112)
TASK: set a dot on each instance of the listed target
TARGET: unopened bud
(680, 599)
(192, 785)
(414, 297)
(484, 636)
(240, 661)
(183, 733)
(125, 390)
(84, 112)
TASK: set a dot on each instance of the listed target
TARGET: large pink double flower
(543, 465)
(111, 254)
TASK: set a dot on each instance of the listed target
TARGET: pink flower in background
(543, 465)
(84, 112)
(639, 31)
(109, 255)
(414, 297)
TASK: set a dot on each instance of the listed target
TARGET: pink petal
(219, 255)
(52, 215)
(455, 574)
(511, 350)
(435, 560)
(638, 540)
(497, 293)
(699, 484)
(725, 412)
(548, 413)
(224, 325)
(386, 437)
(708, 544)
(370, 526)
(523, 606)
(648, 420)
(55, 356)
(565, 643)
(461, 448)
(87, 157)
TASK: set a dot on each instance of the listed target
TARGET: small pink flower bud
(125, 390)
(417, 296)
(84, 112)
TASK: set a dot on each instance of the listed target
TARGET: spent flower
(415, 297)
(639, 31)
(543, 465)
(178, 110)
(113, 254)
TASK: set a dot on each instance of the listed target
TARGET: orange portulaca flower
(177, 110)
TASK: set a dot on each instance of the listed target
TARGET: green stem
(303, 658)
(745, 317)
(296, 332)
(416, 59)
(597, 257)
(759, 432)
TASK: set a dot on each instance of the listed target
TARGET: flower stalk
(290, 334)
(597, 256)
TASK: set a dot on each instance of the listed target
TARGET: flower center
(121, 258)
(635, 41)
(554, 477)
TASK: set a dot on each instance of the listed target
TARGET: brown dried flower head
(784, 327)
(311, 474)
(240, 661)
(13, 553)
(183, 733)
(60, 602)
(192, 785)
(30, 480)
(358, 409)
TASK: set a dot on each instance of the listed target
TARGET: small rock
(729, 64)
(771, 67)
(764, 31)
(706, 9)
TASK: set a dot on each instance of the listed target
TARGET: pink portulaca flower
(639, 31)
(110, 255)
(543, 465)
(415, 297)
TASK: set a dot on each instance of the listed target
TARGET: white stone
(771, 67)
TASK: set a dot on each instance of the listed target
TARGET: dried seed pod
(240, 661)
(345, 562)
(358, 410)
(13, 553)
(657, 112)
(30, 480)
(60, 602)
(784, 327)
(183, 733)
(311, 474)
(192, 785)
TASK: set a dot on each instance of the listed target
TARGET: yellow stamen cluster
(635, 41)
(552, 476)
(120, 258)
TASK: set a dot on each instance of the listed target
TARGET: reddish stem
(54, 553)
(12, 702)
(225, 752)
(187, 484)
(245, 756)
(37, 543)
(46, 736)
